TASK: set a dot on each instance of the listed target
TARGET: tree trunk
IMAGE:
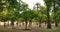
(17, 23)
(12, 24)
(54, 9)
(39, 23)
(26, 24)
(4, 24)
(45, 23)
(56, 23)
(30, 23)
(8, 23)
(48, 20)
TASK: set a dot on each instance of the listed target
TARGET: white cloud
(31, 3)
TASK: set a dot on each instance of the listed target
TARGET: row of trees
(55, 4)
(15, 10)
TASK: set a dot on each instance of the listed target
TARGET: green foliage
(52, 17)
(29, 14)
(13, 8)
(58, 2)
(48, 3)
(12, 4)
(58, 15)
(2, 5)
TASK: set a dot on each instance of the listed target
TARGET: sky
(31, 3)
